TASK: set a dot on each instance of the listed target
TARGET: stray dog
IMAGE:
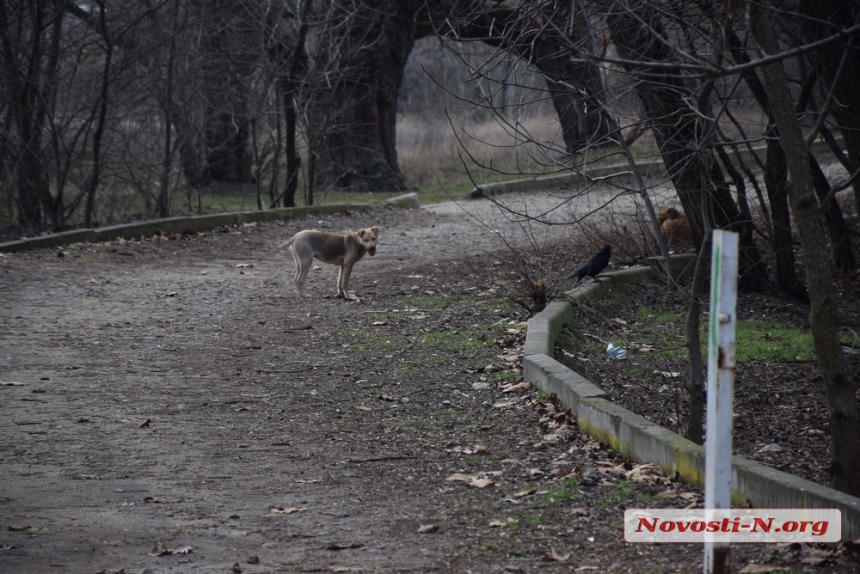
(674, 226)
(343, 250)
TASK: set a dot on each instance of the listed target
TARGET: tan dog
(343, 250)
(674, 226)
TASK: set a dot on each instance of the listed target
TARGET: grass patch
(564, 491)
(455, 340)
(363, 341)
(756, 340)
(622, 492)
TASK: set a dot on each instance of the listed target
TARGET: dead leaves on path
(162, 550)
(475, 480)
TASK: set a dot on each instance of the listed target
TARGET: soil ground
(171, 405)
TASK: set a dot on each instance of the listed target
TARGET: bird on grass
(593, 266)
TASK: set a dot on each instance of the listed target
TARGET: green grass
(621, 493)
(755, 340)
(455, 340)
(766, 340)
(363, 341)
(562, 492)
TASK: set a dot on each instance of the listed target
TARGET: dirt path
(175, 394)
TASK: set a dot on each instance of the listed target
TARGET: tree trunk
(823, 317)
(357, 69)
(843, 251)
(560, 47)
(825, 18)
(696, 387)
(775, 181)
(673, 121)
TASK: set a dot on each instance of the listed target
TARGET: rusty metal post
(721, 374)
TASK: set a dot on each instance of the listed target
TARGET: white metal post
(721, 373)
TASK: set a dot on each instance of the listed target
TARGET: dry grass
(436, 152)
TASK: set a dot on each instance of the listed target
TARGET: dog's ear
(375, 229)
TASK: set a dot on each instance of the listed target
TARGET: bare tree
(823, 317)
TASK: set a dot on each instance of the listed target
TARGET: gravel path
(170, 405)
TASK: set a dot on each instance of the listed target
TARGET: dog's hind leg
(301, 271)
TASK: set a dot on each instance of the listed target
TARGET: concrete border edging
(635, 437)
(180, 224)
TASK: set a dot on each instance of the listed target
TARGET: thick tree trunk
(357, 68)
(674, 123)
(823, 317)
(559, 46)
(825, 18)
(843, 251)
(681, 136)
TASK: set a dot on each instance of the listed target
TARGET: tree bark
(825, 18)
(357, 68)
(823, 316)
(775, 181)
(559, 45)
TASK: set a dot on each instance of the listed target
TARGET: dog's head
(668, 214)
(367, 239)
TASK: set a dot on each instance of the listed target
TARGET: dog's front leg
(340, 292)
(343, 281)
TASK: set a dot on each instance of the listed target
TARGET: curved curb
(175, 225)
(637, 438)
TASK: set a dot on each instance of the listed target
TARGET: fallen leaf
(477, 449)
(243, 265)
(162, 550)
(502, 523)
(301, 534)
(427, 528)
(379, 323)
(772, 447)
(471, 480)
(170, 294)
(16, 528)
(645, 474)
(339, 546)
(11, 384)
(554, 556)
(523, 493)
(460, 477)
(524, 386)
(280, 510)
(156, 500)
(760, 569)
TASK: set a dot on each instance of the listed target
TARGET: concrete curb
(174, 225)
(639, 439)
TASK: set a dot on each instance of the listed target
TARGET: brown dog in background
(342, 250)
(674, 226)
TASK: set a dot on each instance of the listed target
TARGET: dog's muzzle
(371, 250)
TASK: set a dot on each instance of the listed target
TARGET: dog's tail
(287, 243)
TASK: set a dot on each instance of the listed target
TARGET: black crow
(593, 266)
